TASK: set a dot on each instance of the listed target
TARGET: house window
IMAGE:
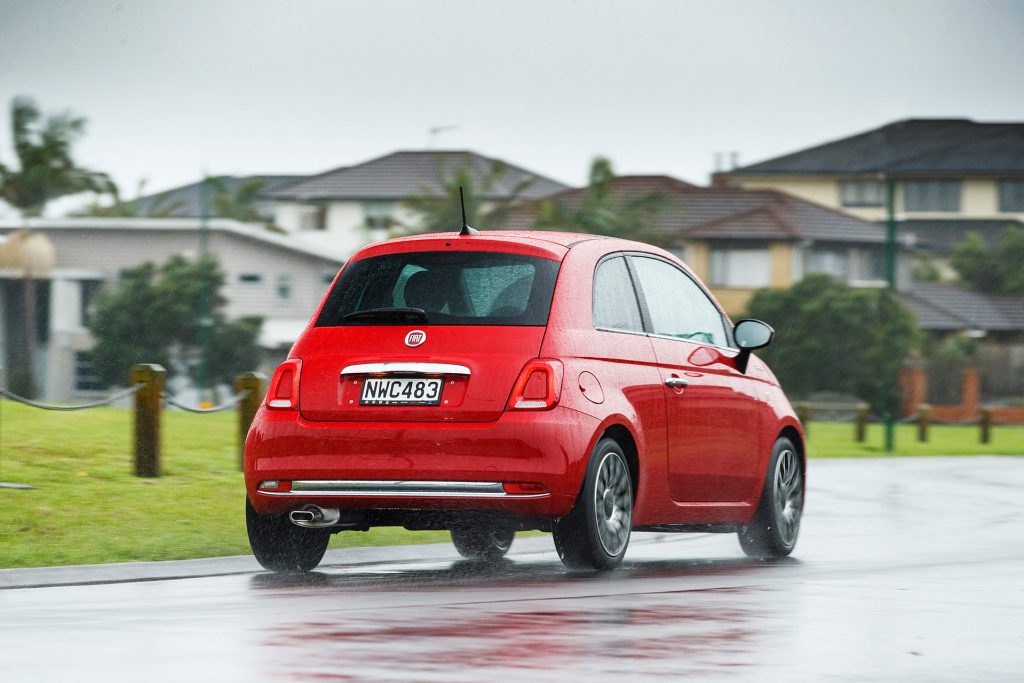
(250, 278)
(284, 287)
(861, 193)
(86, 378)
(748, 268)
(1011, 196)
(931, 195)
(378, 219)
(313, 217)
(834, 262)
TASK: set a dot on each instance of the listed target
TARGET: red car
(504, 381)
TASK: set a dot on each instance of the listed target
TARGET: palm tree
(442, 212)
(45, 171)
(161, 206)
(601, 212)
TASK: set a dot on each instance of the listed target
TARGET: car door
(712, 411)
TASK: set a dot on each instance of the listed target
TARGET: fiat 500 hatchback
(491, 383)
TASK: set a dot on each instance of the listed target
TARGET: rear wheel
(776, 524)
(595, 533)
(280, 546)
(483, 543)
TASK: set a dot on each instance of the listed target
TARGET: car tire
(773, 531)
(595, 533)
(280, 546)
(483, 542)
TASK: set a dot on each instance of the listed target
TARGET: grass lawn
(835, 439)
(88, 508)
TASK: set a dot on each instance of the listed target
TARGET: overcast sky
(252, 86)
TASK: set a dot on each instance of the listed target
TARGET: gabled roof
(948, 308)
(725, 213)
(184, 201)
(400, 175)
(911, 147)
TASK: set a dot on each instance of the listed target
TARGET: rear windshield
(450, 288)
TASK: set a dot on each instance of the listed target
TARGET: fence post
(147, 418)
(986, 425)
(255, 384)
(861, 429)
(803, 412)
(924, 422)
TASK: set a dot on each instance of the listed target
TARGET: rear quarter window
(452, 288)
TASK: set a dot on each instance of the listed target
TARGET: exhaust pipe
(315, 517)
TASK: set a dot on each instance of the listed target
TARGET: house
(738, 240)
(951, 176)
(354, 205)
(267, 274)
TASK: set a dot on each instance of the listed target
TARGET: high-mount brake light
(539, 385)
(284, 387)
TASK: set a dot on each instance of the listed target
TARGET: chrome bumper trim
(410, 368)
(390, 489)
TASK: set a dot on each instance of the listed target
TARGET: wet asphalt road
(906, 569)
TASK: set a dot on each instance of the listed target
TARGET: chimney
(734, 160)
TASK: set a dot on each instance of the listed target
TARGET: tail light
(538, 387)
(284, 387)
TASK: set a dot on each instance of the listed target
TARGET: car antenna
(466, 230)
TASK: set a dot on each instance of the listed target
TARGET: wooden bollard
(803, 412)
(986, 425)
(924, 422)
(147, 418)
(255, 383)
(861, 425)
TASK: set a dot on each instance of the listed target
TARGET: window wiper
(413, 314)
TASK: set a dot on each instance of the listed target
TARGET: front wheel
(483, 543)
(595, 533)
(776, 524)
(280, 546)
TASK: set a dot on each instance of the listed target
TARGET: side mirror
(751, 334)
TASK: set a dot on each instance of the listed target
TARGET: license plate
(401, 391)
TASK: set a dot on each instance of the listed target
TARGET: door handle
(676, 382)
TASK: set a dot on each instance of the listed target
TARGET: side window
(615, 305)
(677, 306)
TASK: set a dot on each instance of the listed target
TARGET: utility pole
(890, 273)
(202, 373)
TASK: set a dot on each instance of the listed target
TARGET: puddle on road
(700, 632)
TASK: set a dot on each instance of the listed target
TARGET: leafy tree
(1000, 271)
(602, 212)
(831, 337)
(46, 169)
(443, 212)
(150, 317)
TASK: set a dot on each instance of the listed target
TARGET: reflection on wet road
(906, 569)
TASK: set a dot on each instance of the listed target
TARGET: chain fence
(109, 400)
(231, 402)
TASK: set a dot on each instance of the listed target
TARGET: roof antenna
(466, 230)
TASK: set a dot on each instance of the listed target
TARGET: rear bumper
(420, 466)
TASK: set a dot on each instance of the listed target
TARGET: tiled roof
(726, 213)
(184, 201)
(943, 235)
(909, 147)
(410, 174)
(944, 307)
